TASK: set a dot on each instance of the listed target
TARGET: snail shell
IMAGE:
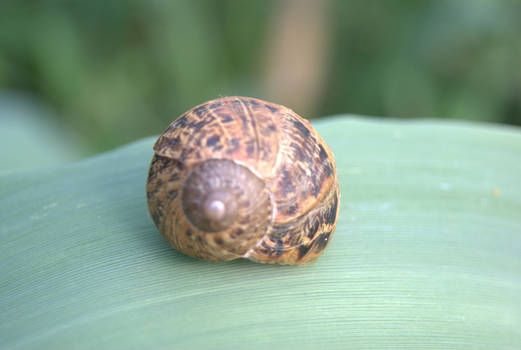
(241, 177)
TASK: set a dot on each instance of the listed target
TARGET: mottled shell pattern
(241, 177)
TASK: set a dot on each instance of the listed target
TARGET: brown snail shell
(241, 177)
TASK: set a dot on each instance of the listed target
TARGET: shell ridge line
(220, 124)
(192, 135)
(253, 127)
(278, 160)
(313, 212)
(201, 118)
(250, 251)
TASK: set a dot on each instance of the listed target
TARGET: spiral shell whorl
(210, 197)
(219, 194)
(226, 209)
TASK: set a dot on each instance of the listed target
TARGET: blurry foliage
(32, 137)
(118, 70)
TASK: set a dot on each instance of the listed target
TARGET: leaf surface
(427, 254)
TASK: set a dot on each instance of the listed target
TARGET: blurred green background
(80, 77)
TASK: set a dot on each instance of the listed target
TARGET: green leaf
(426, 254)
